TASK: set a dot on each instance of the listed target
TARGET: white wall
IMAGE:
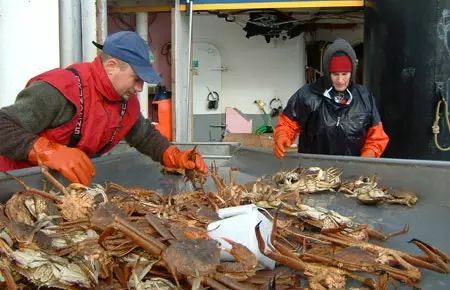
(29, 43)
(353, 36)
(256, 70)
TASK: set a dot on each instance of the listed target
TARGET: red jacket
(102, 111)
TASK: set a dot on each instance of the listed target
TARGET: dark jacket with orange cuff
(327, 127)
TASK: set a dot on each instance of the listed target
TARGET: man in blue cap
(64, 117)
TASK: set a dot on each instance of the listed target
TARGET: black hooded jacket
(328, 127)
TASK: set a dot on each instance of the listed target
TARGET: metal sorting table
(428, 219)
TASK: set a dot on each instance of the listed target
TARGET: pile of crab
(113, 237)
(365, 189)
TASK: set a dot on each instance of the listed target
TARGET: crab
(77, 201)
(188, 258)
(50, 270)
(367, 191)
(308, 180)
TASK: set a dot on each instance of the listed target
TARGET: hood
(339, 45)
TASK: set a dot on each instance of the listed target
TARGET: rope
(435, 127)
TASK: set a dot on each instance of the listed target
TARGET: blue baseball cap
(129, 47)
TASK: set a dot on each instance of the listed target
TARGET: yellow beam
(240, 6)
(135, 9)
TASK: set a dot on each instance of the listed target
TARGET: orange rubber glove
(281, 142)
(376, 142)
(72, 163)
(175, 158)
(368, 153)
(285, 133)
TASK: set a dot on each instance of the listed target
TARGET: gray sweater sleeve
(36, 108)
(147, 139)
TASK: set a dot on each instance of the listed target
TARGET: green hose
(267, 127)
(264, 129)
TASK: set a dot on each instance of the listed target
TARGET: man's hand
(187, 159)
(281, 142)
(72, 163)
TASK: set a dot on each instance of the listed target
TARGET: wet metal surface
(428, 220)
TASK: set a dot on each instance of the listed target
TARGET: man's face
(124, 80)
(340, 80)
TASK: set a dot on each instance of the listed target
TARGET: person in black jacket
(334, 115)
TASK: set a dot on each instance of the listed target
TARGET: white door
(207, 77)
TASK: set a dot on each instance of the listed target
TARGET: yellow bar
(150, 8)
(239, 6)
(278, 5)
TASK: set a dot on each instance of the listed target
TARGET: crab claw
(295, 264)
(434, 255)
(245, 259)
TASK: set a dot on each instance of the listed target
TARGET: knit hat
(340, 63)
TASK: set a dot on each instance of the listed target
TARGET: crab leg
(432, 256)
(245, 259)
(295, 264)
(195, 283)
(443, 255)
(37, 191)
(53, 180)
(214, 284)
(149, 244)
(369, 268)
(376, 249)
(9, 280)
(232, 283)
(34, 190)
(382, 236)
(382, 283)
(410, 276)
(279, 246)
(158, 226)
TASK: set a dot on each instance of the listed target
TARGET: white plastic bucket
(238, 224)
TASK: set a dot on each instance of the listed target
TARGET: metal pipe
(102, 20)
(189, 73)
(142, 30)
(70, 32)
(88, 27)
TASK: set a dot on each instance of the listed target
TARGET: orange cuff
(376, 142)
(286, 127)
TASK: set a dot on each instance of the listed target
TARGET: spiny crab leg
(149, 244)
